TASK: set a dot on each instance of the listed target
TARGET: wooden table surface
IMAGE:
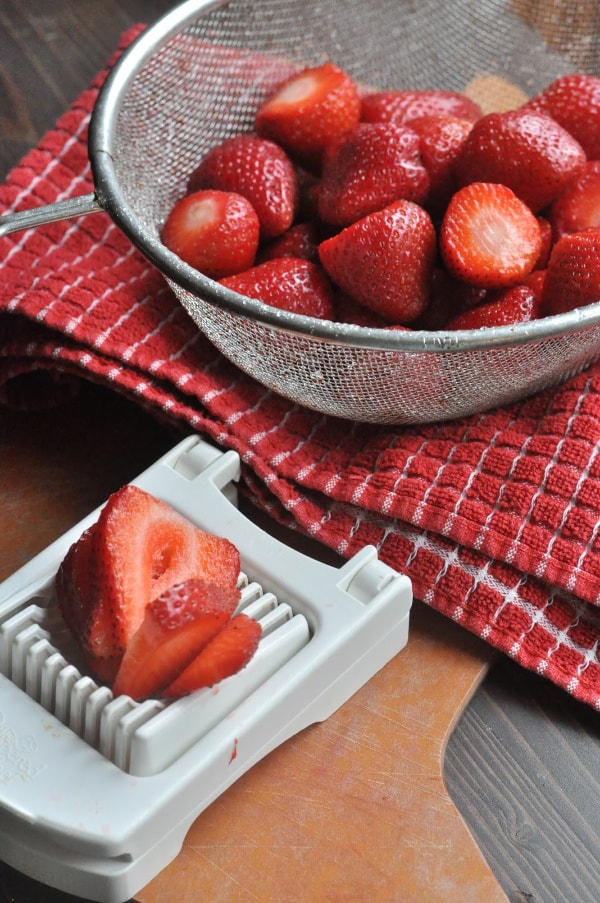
(521, 765)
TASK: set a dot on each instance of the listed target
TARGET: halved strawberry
(527, 151)
(226, 654)
(373, 165)
(574, 102)
(289, 283)
(403, 105)
(385, 261)
(309, 111)
(176, 626)
(144, 546)
(488, 236)
(216, 232)
(578, 207)
(517, 304)
(257, 169)
(573, 273)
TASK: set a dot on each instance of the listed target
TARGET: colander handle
(49, 213)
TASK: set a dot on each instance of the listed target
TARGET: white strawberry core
(202, 212)
(297, 90)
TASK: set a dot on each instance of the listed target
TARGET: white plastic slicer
(96, 792)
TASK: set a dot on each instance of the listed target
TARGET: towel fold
(495, 517)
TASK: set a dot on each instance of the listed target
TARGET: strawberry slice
(402, 106)
(574, 102)
(524, 150)
(289, 283)
(489, 237)
(143, 547)
(226, 654)
(310, 111)
(385, 261)
(176, 626)
(573, 273)
(578, 207)
(217, 232)
(257, 169)
(372, 166)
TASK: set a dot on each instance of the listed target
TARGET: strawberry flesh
(226, 654)
(489, 237)
(176, 626)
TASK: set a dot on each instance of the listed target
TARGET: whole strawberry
(517, 304)
(385, 261)
(574, 102)
(402, 106)
(289, 283)
(489, 237)
(441, 139)
(577, 208)
(370, 167)
(527, 151)
(216, 232)
(573, 273)
(257, 169)
(310, 111)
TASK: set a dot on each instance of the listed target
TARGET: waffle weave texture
(494, 517)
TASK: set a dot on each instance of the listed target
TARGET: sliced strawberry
(517, 304)
(573, 273)
(289, 283)
(373, 165)
(403, 105)
(143, 547)
(257, 169)
(299, 241)
(216, 232)
(309, 111)
(489, 237)
(176, 626)
(74, 591)
(574, 102)
(226, 654)
(385, 261)
(578, 207)
(441, 141)
(527, 151)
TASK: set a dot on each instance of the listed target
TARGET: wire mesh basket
(198, 76)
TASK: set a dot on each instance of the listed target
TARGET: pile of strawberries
(151, 600)
(402, 209)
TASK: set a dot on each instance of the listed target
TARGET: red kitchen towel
(495, 517)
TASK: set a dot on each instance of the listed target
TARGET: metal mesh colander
(197, 77)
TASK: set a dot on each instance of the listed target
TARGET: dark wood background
(523, 764)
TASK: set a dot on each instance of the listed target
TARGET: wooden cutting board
(351, 809)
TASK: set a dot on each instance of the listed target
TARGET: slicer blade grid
(97, 792)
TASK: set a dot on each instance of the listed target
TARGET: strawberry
(299, 241)
(547, 234)
(488, 236)
(373, 165)
(517, 304)
(578, 207)
(226, 654)
(441, 140)
(347, 310)
(289, 283)
(574, 102)
(404, 105)
(309, 111)
(385, 260)
(143, 547)
(216, 232)
(175, 627)
(573, 273)
(524, 150)
(257, 169)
